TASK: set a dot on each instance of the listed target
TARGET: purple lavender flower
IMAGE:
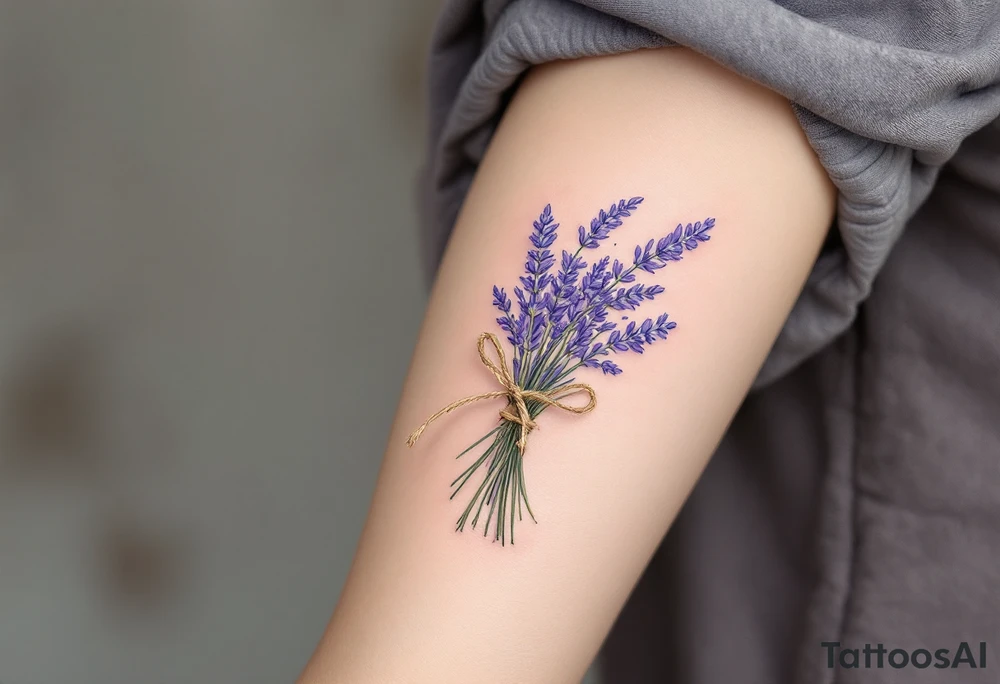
(594, 283)
(502, 302)
(609, 368)
(636, 337)
(500, 299)
(671, 247)
(631, 297)
(540, 260)
(570, 269)
(617, 270)
(606, 221)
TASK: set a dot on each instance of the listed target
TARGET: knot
(519, 414)
(516, 410)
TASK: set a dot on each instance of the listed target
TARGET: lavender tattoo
(560, 324)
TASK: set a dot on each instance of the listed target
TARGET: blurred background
(209, 290)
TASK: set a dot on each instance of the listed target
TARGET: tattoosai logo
(965, 656)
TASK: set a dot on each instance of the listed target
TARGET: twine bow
(516, 410)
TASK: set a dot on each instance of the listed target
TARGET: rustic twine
(516, 410)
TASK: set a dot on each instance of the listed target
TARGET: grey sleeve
(885, 92)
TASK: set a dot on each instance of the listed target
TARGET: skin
(424, 603)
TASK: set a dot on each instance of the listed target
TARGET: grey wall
(209, 287)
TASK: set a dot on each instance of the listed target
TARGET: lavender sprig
(539, 261)
(671, 247)
(606, 221)
(629, 298)
(514, 327)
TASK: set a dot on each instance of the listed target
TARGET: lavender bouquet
(559, 326)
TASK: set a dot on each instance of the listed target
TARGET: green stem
(524, 491)
(479, 441)
(468, 472)
(500, 500)
(499, 442)
(514, 506)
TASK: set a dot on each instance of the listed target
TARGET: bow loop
(516, 410)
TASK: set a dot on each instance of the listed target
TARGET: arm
(424, 603)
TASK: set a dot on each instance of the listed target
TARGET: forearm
(426, 604)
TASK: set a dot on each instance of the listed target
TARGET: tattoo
(560, 327)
